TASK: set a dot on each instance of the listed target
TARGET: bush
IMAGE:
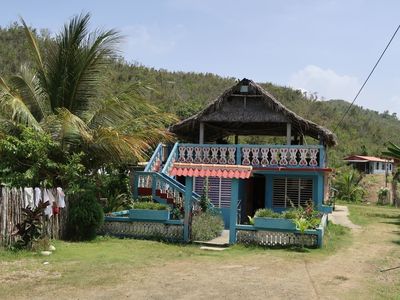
(347, 185)
(150, 205)
(85, 215)
(267, 213)
(206, 226)
(290, 214)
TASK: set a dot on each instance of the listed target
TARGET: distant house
(370, 164)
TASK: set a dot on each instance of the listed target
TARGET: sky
(327, 47)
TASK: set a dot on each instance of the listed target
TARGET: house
(370, 164)
(242, 177)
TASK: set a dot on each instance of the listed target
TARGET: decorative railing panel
(276, 238)
(162, 186)
(143, 230)
(298, 156)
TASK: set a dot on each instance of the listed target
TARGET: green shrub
(267, 213)
(206, 226)
(85, 215)
(150, 205)
(346, 183)
(290, 214)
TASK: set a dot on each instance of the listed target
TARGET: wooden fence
(11, 202)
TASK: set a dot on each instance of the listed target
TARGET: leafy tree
(347, 185)
(394, 151)
(62, 94)
(29, 158)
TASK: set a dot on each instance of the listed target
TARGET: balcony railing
(262, 156)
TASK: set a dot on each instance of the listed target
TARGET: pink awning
(208, 170)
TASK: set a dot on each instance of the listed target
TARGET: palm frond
(111, 144)
(12, 105)
(37, 56)
(76, 63)
(29, 88)
(67, 128)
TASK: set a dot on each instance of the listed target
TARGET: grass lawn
(110, 267)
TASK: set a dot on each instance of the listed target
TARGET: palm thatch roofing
(247, 109)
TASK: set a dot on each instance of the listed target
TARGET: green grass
(105, 261)
(366, 214)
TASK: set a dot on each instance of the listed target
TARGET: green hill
(363, 131)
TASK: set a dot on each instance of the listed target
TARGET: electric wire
(366, 80)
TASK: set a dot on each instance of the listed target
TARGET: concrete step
(208, 248)
(211, 244)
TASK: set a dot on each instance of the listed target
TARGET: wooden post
(236, 139)
(135, 185)
(201, 133)
(288, 133)
(187, 206)
(233, 210)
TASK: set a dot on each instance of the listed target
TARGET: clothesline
(56, 198)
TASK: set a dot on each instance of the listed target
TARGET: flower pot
(149, 214)
(144, 191)
(274, 223)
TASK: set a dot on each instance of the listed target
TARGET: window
(219, 190)
(286, 191)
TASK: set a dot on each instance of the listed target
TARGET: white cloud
(326, 82)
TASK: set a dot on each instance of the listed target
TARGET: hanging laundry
(28, 197)
(38, 196)
(47, 196)
(61, 197)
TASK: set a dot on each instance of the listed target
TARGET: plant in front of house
(266, 213)
(347, 186)
(150, 206)
(85, 214)
(383, 195)
(30, 230)
(206, 226)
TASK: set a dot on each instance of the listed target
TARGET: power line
(366, 80)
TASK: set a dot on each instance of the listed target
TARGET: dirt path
(340, 216)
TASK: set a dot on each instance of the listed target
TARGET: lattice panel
(143, 230)
(275, 238)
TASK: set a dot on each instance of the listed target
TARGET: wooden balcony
(257, 156)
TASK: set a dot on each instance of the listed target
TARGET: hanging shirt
(28, 196)
(61, 197)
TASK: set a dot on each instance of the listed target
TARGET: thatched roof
(251, 112)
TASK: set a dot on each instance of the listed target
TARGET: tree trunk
(395, 181)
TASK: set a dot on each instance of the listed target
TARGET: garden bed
(149, 214)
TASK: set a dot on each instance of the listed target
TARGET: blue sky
(328, 47)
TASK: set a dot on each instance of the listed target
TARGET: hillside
(363, 131)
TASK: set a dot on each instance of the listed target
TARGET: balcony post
(201, 133)
(187, 207)
(233, 211)
(288, 133)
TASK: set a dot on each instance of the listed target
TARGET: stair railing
(155, 161)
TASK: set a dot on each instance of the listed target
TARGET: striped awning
(209, 170)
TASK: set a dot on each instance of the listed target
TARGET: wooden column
(233, 210)
(288, 133)
(201, 133)
(236, 139)
(187, 206)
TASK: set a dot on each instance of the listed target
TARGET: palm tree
(62, 93)
(394, 151)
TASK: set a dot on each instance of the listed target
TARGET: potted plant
(267, 219)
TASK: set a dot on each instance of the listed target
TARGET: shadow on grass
(392, 223)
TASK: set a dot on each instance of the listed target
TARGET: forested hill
(363, 131)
